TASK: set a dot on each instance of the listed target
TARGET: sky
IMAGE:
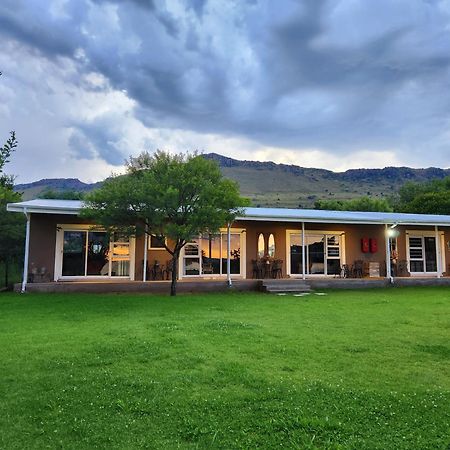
(335, 84)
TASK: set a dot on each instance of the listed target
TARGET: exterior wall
(353, 236)
(43, 240)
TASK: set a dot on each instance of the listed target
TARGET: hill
(283, 185)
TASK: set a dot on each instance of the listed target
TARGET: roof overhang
(73, 207)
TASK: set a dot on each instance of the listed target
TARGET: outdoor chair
(358, 269)
(402, 268)
(167, 272)
(345, 271)
(207, 268)
(156, 271)
(257, 270)
(277, 271)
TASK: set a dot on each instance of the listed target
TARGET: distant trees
(432, 197)
(356, 204)
(177, 197)
(62, 195)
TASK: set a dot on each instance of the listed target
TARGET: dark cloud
(335, 75)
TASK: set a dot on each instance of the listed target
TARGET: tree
(5, 153)
(356, 204)
(177, 197)
(432, 197)
(11, 225)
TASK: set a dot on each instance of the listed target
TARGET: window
(261, 246)
(322, 253)
(422, 254)
(88, 253)
(157, 242)
(271, 246)
(207, 255)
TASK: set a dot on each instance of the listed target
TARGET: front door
(422, 254)
(322, 253)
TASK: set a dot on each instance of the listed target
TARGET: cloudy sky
(335, 84)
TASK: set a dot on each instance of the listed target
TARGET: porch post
(438, 252)
(303, 250)
(27, 252)
(144, 275)
(388, 254)
(228, 255)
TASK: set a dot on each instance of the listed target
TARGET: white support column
(303, 251)
(144, 275)
(388, 254)
(228, 255)
(27, 252)
(438, 252)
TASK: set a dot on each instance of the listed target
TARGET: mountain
(283, 185)
(33, 190)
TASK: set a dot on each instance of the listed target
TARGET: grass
(348, 370)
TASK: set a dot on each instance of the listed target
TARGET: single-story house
(264, 242)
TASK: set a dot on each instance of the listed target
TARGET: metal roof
(45, 206)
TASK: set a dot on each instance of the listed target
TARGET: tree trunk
(173, 285)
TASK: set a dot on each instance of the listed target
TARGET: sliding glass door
(322, 253)
(87, 253)
(422, 254)
(207, 255)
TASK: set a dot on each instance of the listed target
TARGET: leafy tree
(175, 196)
(356, 204)
(432, 197)
(11, 225)
(5, 153)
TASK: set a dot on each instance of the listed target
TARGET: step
(278, 286)
(288, 289)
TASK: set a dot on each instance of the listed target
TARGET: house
(264, 242)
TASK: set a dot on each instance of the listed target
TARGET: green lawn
(347, 370)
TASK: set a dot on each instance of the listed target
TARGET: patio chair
(156, 271)
(402, 268)
(207, 268)
(277, 268)
(257, 271)
(167, 272)
(358, 269)
(345, 271)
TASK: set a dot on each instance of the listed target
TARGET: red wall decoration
(365, 245)
(373, 245)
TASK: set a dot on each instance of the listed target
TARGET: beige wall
(43, 241)
(353, 236)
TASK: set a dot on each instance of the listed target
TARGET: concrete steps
(285, 286)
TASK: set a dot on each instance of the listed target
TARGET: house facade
(263, 243)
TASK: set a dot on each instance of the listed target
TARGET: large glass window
(93, 253)
(322, 254)
(207, 255)
(296, 254)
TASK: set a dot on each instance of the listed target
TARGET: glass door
(322, 254)
(87, 253)
(207, 255)
(296, 254)
(422, 254)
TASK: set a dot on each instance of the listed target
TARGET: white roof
(325, 216)
(45, 206)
